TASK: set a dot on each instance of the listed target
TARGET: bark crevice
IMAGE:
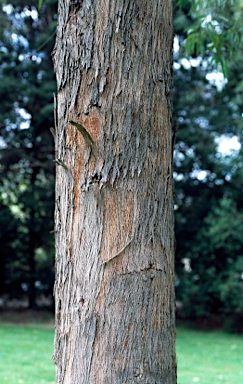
(114, 218)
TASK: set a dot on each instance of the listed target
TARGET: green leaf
(40, 2)
(182, 3)
(217, 29)
(87, 138)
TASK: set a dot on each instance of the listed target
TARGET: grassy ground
(202, 357)
(25, 354)
(209, 357)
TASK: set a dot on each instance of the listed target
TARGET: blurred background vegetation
(208, 161)
(27, 84)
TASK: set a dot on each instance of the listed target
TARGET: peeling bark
(114, 285)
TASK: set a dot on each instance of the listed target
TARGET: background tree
(204, 178)
(8, 236)
(215, 30)
(27, 173)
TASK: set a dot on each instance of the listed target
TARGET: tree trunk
(114, 287)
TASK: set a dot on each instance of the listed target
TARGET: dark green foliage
(27, 83)
(214, 286)
(216, 30)
(209, 216)
(8, 238)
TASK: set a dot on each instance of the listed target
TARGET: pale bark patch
(119, 222)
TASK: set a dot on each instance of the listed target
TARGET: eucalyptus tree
(114, 287)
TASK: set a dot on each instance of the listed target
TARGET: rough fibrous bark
(114, 207)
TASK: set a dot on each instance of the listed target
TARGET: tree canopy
(215, 30)
(207, 183)
(27, 183)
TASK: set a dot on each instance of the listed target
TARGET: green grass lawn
(202, 357)
(209, 357)
(25, 355)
